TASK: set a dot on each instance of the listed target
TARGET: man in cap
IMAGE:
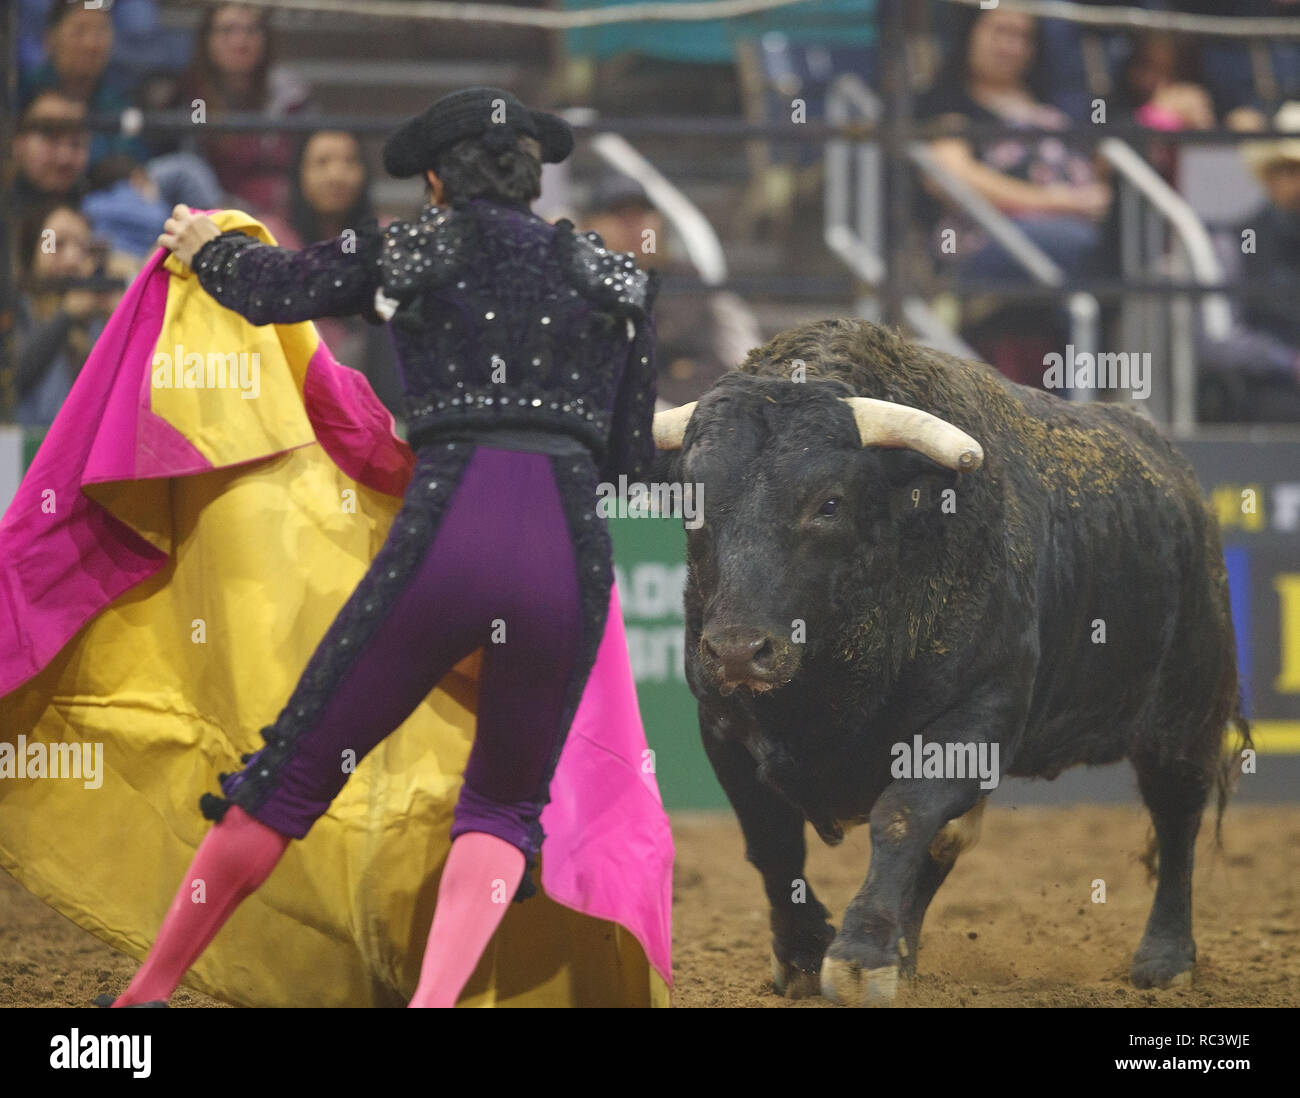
(699, 335)
(1254, 374)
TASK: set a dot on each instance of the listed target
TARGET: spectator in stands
(78, 46)
(1225, 62)
(699, 334)
(1053, 193)
(61, 308)
(330, 186)
(124, 201)
(125, 206)
(1253, 375)
(141, 42)
(1162, 84)
(234, 70)
(51, 151)
(330, 193)
(1161, 88)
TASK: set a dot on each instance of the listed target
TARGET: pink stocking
(232, 861)
(478, 883)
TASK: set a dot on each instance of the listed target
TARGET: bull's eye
(829, 508)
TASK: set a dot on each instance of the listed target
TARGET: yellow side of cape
(176, 678)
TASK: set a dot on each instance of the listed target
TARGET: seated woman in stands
(234, 70)
(1052, 191)
(1161, 87)
(329, 193)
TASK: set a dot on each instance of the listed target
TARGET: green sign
(650, 569)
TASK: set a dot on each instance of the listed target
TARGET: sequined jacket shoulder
(497, 316)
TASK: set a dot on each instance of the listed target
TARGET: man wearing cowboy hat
(1276, 261)
(1254, 375)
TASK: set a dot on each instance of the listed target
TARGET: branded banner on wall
(1255, 490)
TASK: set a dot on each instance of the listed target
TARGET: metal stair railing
(1148, 206)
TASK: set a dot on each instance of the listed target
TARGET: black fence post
(8, 227)
(895, 125)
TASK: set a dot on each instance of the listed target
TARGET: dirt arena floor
(1014, 925)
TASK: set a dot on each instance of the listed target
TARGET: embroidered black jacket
(498, 318)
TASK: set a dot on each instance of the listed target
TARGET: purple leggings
(502, 561)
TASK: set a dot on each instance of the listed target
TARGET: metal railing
(853, 215)
(1082, 308)
(1152, 214)
(698, 236)
(1150, 211)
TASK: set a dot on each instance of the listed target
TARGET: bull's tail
(1228, 771)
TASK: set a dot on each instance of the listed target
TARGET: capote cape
(168, 565)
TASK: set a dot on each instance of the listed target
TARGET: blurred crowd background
(723, 143)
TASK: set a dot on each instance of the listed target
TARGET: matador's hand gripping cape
(168, 565)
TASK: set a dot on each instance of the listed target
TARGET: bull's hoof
(794, 982)
(849, 984)
(1163, 964)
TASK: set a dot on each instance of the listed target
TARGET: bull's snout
(750, 656)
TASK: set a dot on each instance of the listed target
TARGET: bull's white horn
(670, 426)
(883, 423)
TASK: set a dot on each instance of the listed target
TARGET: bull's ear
(915, 490)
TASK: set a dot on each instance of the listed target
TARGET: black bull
(1065, 601)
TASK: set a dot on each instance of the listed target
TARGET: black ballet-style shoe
(109, 1000)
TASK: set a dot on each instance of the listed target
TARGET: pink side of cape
(608, 851)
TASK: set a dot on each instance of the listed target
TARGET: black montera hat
(491, 112)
